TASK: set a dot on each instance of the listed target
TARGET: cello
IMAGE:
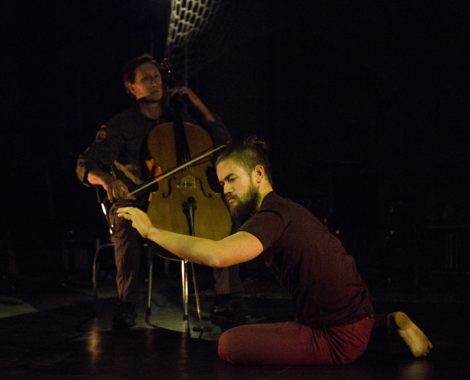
(186, 201)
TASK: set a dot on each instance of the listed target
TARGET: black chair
(103, 244)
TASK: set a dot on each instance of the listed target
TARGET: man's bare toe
(412, 335)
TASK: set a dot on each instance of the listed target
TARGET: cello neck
(182, 148)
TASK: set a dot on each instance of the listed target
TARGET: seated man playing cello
(115, 162)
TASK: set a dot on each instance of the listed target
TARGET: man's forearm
(231, 250)
(195, 249)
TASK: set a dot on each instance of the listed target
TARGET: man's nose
(227, 188)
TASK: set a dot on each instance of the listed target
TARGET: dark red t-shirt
(311, 263)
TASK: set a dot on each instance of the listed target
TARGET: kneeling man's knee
(227, 346)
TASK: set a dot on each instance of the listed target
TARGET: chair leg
(94, 279)
(95, 270)
(184, 285)
(150, 282)
(196, 295)
(184, 290)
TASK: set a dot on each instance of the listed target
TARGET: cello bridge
(187, 183)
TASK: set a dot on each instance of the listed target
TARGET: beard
(245, 207)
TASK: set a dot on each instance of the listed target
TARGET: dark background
(365, 105)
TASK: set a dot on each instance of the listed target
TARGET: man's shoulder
(122, 117)
(274, 200)
(285, 206)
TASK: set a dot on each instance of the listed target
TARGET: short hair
(249, 153)
(128, 73)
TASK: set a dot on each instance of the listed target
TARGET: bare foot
(412, 335)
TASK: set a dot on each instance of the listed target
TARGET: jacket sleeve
(218, 132)
(99, 156)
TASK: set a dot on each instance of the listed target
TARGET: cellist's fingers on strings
(186, 93)
(181, 90)
(196, 102)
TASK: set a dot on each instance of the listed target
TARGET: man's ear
(259, 173)
(129, 88)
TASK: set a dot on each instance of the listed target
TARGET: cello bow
(178, 168)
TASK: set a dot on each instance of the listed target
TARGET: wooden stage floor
(52, 333)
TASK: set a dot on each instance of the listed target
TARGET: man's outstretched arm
(234, 249)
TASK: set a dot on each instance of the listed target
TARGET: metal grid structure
(200, 31)
(188, 18)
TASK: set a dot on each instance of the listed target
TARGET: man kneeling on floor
(334, 314)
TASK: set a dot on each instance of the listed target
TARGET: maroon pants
(290, 343)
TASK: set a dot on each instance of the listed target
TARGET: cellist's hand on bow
(117, 190)
(140, 220)
(195, 100)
